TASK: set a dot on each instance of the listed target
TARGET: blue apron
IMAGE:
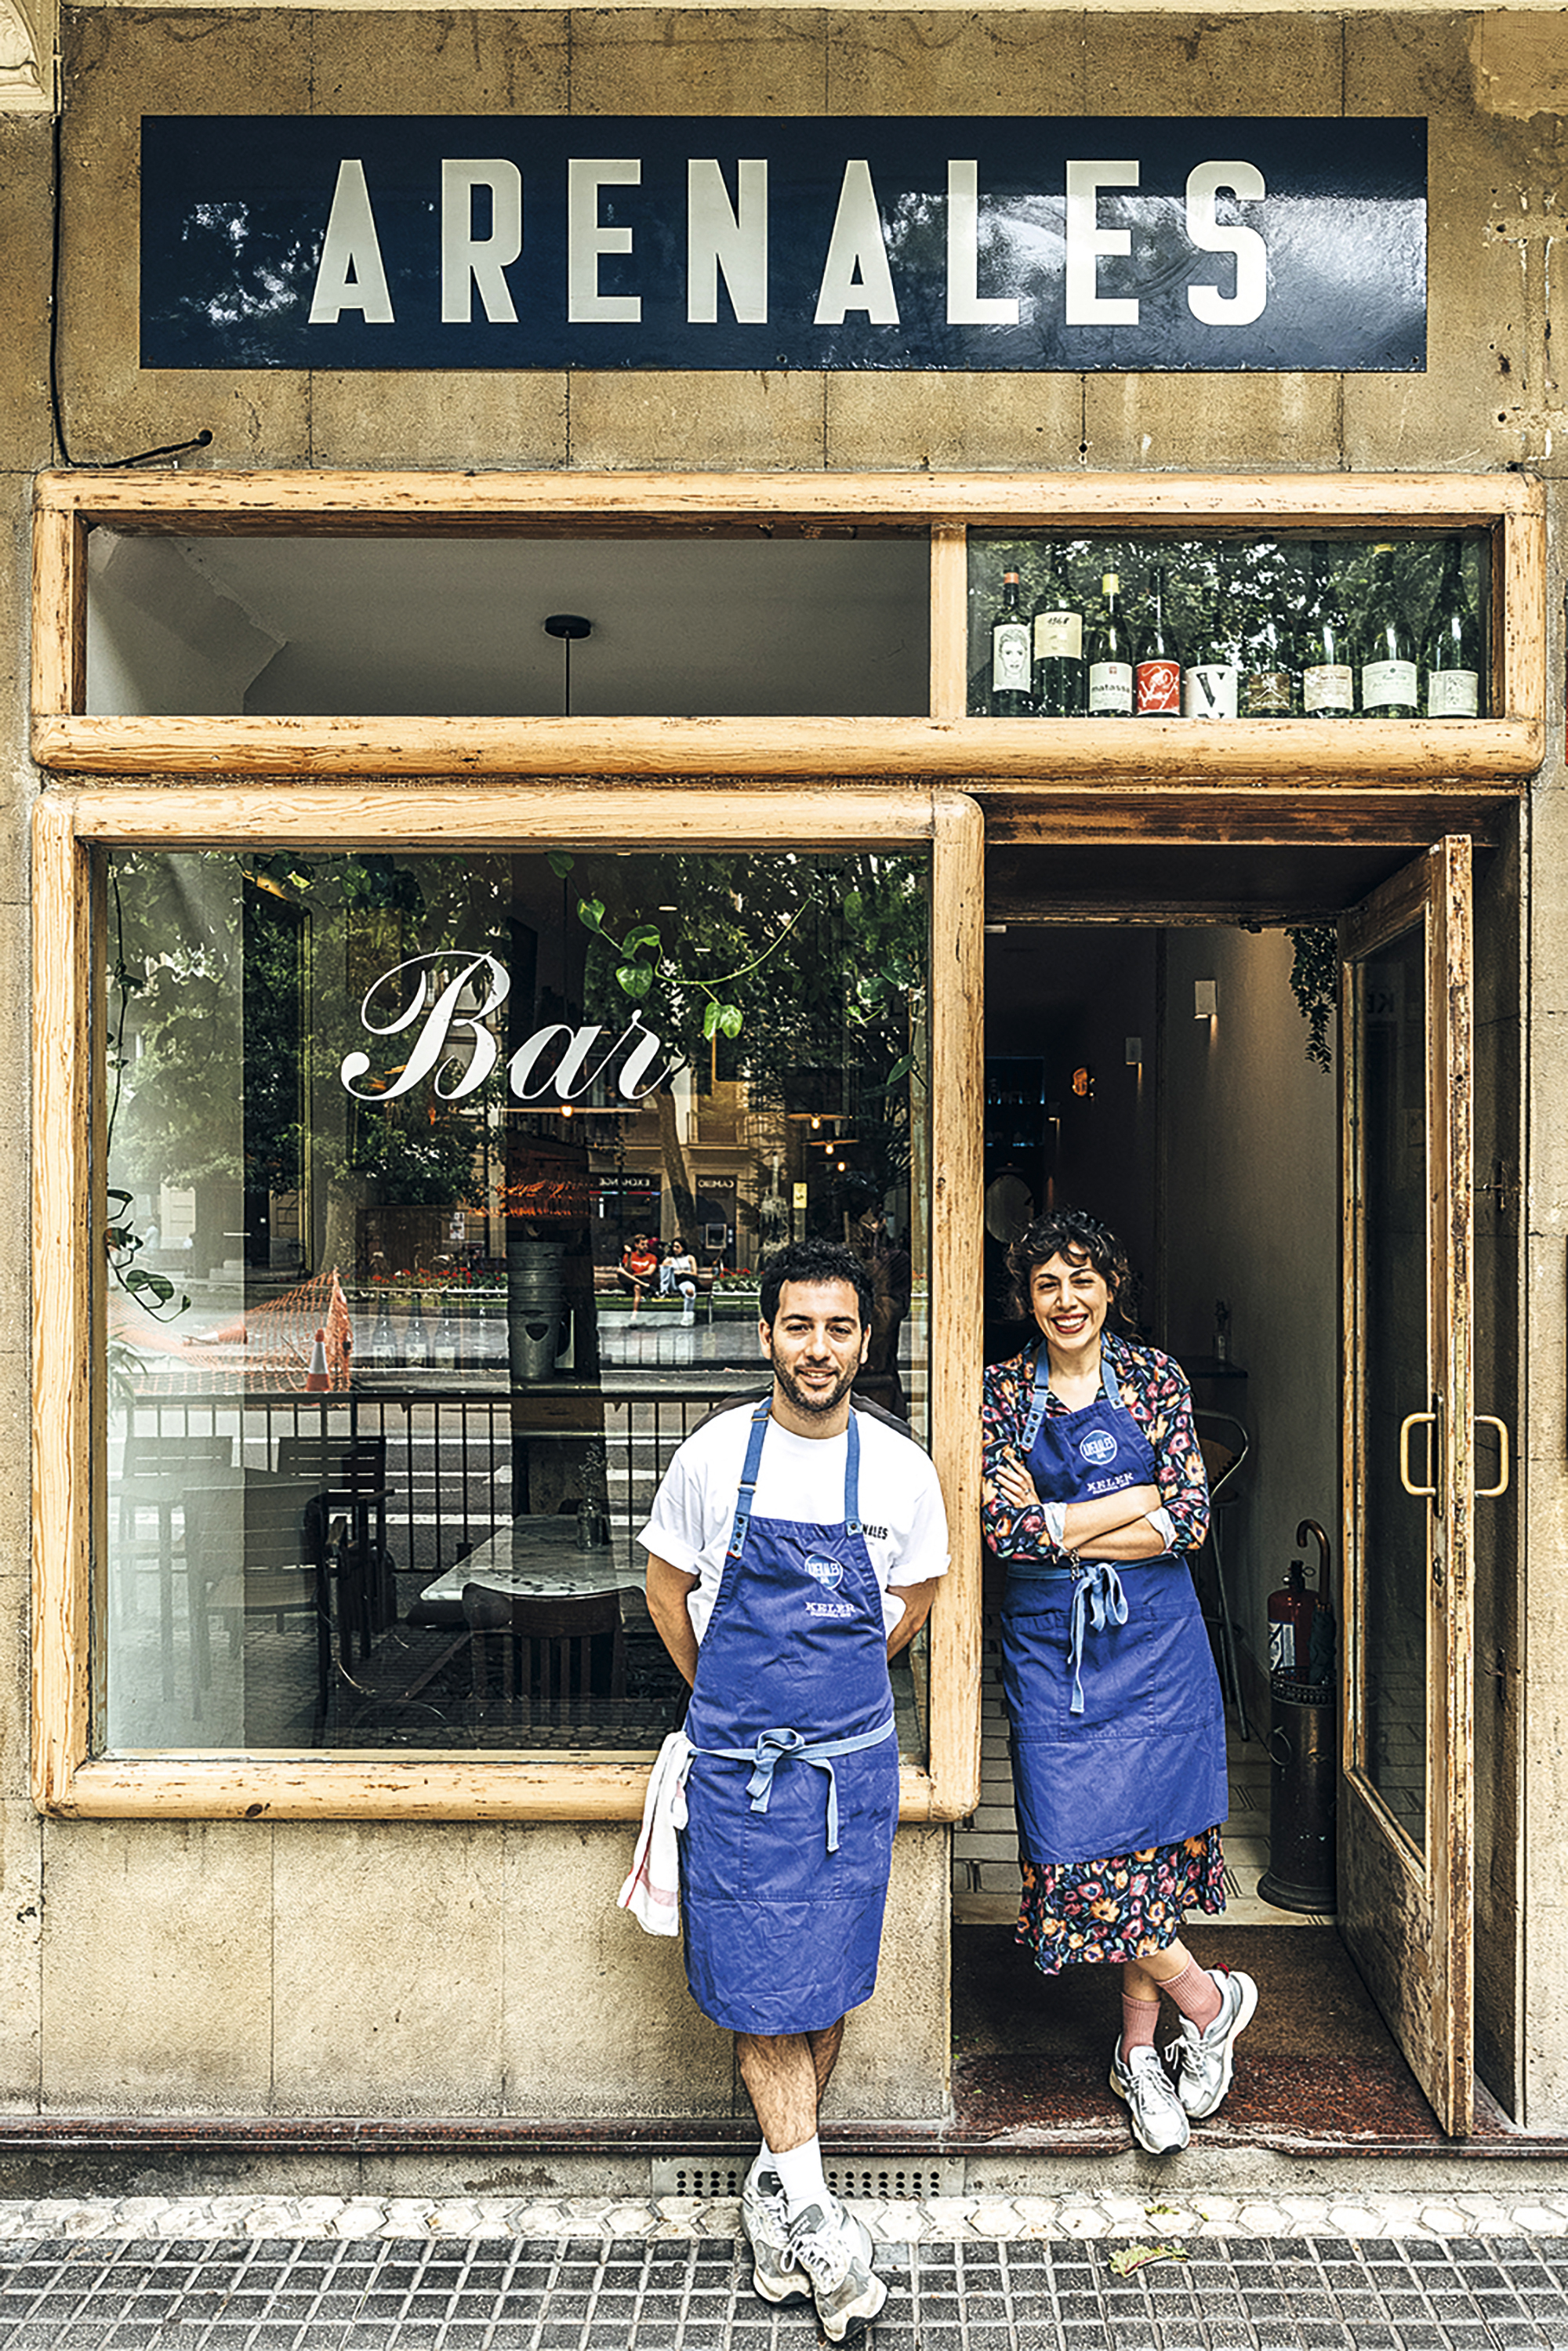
(792, 1798)
(1118, 1729)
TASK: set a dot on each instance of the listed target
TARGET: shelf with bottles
(1218, 626)
(1015, 1107)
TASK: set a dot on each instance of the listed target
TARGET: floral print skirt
(1078, 1912)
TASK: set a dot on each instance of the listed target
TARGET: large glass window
(437, 1187)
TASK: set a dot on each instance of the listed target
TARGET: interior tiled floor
(985, 1848)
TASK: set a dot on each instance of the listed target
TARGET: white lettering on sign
(1239, 308)
(468, 261)
(730, 241)
(967, 306)
(718, 239)
(352, 275)
(452, 997)
(587, 238)
(1087, 241)
(855, 276)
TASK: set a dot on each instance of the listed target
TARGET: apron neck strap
(852, 1477)
(744, 1499)
(748, 1494)
(1037, 1396)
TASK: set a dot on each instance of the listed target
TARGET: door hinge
(1505, 1190)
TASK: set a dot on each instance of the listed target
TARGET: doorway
(1156, 1064)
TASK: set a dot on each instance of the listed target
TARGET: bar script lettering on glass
(456, 993)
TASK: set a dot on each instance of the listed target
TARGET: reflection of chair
(556, 1655)
(351, 1477)
(254, 1551)
(1224, 1445)
(155, 1473)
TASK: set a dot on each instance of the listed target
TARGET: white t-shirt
(802, 1477)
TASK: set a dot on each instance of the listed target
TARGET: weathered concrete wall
(242, 1965)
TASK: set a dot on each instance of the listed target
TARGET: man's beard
(807, 1400)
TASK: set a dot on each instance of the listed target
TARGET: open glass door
(1406, 1867)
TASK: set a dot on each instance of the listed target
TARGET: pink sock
(1196, 1993)
(1139, 2018)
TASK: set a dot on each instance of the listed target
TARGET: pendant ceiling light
(571, 627)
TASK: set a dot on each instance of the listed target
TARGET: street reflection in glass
(438, 1188)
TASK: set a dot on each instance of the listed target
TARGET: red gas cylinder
(1291, 1612)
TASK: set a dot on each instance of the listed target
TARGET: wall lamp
(1206, 999)
(1134, 1053)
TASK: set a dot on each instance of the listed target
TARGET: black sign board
(1121, 244)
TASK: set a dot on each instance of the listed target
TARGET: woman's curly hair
(1074, 1234)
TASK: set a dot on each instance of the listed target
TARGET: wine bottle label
(1267, 694)
(1209, 690)
(1111, 689)
(1386, 685)
(1158, 688)
(1010, 657)
(1453, 694)
(1058, 636)
(1327, 687)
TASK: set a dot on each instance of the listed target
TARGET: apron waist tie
(772, 1748)
(1098, 1600)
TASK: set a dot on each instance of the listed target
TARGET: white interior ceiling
(405, 627)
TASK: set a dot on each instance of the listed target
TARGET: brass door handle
(1413, 1420)
(1491, 1420)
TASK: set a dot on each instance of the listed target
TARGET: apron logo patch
(1100, 1446)
(829, 1573)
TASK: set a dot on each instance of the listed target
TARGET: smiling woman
(1095, 1492)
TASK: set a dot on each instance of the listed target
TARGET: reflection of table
(535, 1557)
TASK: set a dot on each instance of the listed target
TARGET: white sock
(801, 2172)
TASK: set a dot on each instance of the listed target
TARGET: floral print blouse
(1155, 1390)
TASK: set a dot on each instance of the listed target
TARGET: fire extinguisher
(1293, 1612)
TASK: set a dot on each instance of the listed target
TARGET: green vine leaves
(1314, 983)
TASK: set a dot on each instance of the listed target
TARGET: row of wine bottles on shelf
(1061, 661)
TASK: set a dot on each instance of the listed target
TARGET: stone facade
(257, 1968)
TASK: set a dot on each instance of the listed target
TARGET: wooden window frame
(68, 1450)
(1120, 757)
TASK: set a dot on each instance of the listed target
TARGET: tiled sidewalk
(1379, 2273)
(692, 2293)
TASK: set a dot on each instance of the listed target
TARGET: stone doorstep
(712, 2139)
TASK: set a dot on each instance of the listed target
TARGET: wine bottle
(1009, 654)
(1156, 673)
(1328, 675)
(1210, 684)
(1108, 657)
(1388, 688)
(1058, 638)
(1268, 687)
(1451, 647)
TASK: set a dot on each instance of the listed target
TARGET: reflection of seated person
(639, 1265)
(678, 1276)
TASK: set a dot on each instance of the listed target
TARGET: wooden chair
(1224, 1445)
(557, 1658)
(256, 1551)
(157, 1464)
(351, 1473)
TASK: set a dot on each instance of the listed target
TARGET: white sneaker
(835, 2252)
(764, 2217)
(1203, 2061)
(1159, 2124)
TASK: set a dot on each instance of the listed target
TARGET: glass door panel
(1406, 1845)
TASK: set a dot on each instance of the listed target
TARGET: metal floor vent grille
(883, 2183)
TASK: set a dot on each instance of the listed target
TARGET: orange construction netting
(268, 1350)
